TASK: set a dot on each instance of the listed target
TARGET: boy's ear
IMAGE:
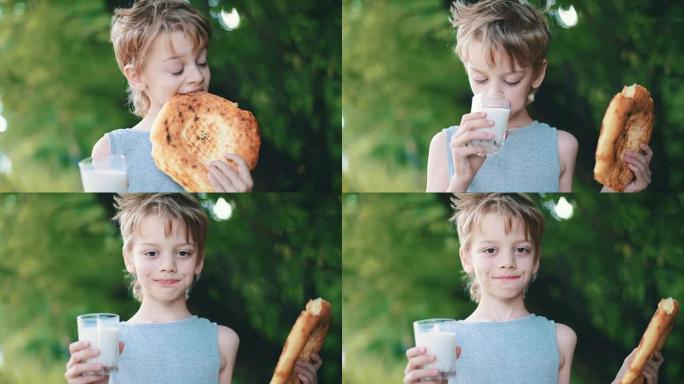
(133, 77)
(465, 260)
(128, 261)
(539, 75)
(199, 266)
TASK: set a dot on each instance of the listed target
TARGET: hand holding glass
(437, 337)
(101, 330)
(498, 108)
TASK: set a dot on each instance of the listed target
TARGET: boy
(161, 48)
(163, 252)
(500, 245)
(503, 44)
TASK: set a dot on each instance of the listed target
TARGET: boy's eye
(512, 82)
(480, 81)
(184, 253)
(524, 250)
(489, 251)
(204, 64)
(178, 73)
(151, 253)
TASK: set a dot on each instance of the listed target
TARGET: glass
(102, 331)
(104, 175)
(498, 108)
(438, 337)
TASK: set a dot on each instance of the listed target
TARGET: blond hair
(134, 29)
(519, 29)
(470, 208)
(174, 208)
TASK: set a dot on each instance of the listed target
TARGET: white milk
(443, 346)
(500, 118)
(104, 180)
(106, 340)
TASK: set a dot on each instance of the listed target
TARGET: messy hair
(470, 208)
(517, 28)
(174, 208)
(134, 29)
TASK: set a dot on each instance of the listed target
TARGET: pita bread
(305, 338)
(628, 122)
(653, 339)
(195, 128)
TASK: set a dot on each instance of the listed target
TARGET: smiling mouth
(168, 282)
(506, 277)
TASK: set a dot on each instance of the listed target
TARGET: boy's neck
(519, 120)
(152, 311)
(497, 309)
(146, 123)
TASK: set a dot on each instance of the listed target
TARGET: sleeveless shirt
(528, 161)
(143, 174)
(520, 351)
(180, 352)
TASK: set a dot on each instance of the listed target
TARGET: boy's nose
(169, 264)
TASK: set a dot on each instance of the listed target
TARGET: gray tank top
(179, 352)
(528, 161)
(520, 351)
(143, 174)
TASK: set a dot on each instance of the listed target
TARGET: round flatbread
(195, 128)
(628, 122)
(305, 338)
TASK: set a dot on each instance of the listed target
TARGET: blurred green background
(603, 271)
(266, 255)
(403, 83)
(61, 90)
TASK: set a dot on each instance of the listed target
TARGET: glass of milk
(104, 175)
(438, 337)
(102, 331)
(498, 108)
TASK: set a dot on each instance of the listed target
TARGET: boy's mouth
(168, 282)
(506, 278)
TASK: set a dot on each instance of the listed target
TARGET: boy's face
(514, 82)
(164, 263)
(173, 67)
(502, 263)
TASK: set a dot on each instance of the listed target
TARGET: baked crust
(195, 128)
(627, 123)
(653, 339)
(305, 338)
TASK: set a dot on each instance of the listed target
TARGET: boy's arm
(437, 170)
(567, 340)
(567, 151)
(101, 149)
(228, 345)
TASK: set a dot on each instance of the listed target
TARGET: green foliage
(63, 258)
(403, 83)
(62, 90)
(602, 273)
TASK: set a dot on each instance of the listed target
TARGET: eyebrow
(175, 57)
(507, 73)
(175, 245)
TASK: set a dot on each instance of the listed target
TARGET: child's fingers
(243, 169)
(465, 138)
(472, 116)
(225, 184)
(472, 125)
(415, 351)
(76, 372)
(648, 152)
(81, 356)
(462, 152)
(419, 361)
(215, 185)
(78, 346)
(304, 368)
(415, 376)
(316, 361)
(225, 171)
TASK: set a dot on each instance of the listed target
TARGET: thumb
(121, 347)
